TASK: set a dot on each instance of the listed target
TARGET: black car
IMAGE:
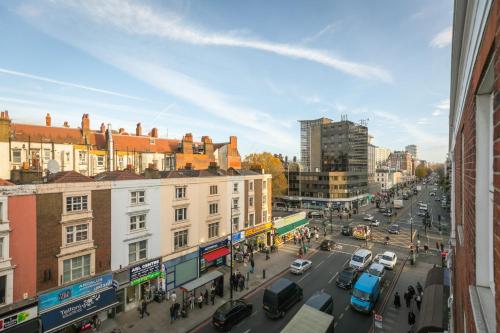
(327, 245)
(347, 278)
(230, 314)
(346, 230)
(393, 229)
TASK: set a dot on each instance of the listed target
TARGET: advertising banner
(18, 318)
(258, 229)
(144, 272)
(74, 291)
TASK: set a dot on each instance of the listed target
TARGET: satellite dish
(53, 166)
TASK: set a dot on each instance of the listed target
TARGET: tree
(271, 165)
(422, 171)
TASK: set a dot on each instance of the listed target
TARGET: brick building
(475, 166)
(401, 161)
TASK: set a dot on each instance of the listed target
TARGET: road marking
(320, 264)
(248, 330)
(349, 253)
(341, 315)
(336, 323)
(322, 290)
(346, 307)
(302, 278)
(333, 277)
(253, 314)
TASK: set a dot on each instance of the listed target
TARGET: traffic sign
(378, 320)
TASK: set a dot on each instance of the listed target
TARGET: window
(235, 187)
(82, 157)
(251, 220)
(264, 216)
(1, 212)
(180, 192)
(250, 202)
(3, 286)
(76, 268)
(213, 230)
(264, 199)
(236, 223)
(137, 197)
(16, 155)
(137, 222)
(180, 214)
(100, 161)
(236, 203)
(250, 185)
(46, 154)
(213, 208)
(180, 239)
(77, 203)
(137, 251)
(76, 233)
(1, 247)
(213, 189)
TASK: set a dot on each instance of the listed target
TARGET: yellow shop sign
(258, 229)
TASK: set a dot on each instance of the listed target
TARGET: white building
(381, 155)
(413, 150)
(387, 178)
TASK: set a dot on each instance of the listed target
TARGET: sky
(220, 68)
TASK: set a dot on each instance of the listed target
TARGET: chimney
(121, 130)
(233, 142)
(138, 129)
(66, 124)
(4, 126)
(48, 120)
(103, 128)
(208, 147)
(187, 143)
(212, 166)
(154, 132)
(111, 147)
(85, 122)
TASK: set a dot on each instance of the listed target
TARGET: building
(381, 156)
(388, 178)
(310, 143)
(474, 153)
(372, 166)
(29, 149)
(401, 161)
(413, 150)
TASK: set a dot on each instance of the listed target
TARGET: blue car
(365, 293)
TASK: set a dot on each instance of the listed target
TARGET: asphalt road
(326, 266)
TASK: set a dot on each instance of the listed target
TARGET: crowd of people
(410, 295)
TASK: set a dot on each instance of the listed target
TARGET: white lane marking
(248, 330)
(341, 315)
(320, 264)
(333, 277)
(349, 253)
(346, 307)
(253, 314)
(331, 254)
(336, 323)
(302, 278)
(322, 290)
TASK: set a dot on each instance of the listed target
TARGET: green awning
(292, 226)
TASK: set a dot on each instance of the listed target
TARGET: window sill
(483, 308)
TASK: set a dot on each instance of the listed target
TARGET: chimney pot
(103, 128)
(121, 130)
(66, 124)
(154, 132)
(48, 120)
(85, 122)
(138, 129)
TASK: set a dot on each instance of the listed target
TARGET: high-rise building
(413, 150)
(310, 143)
(381, 155)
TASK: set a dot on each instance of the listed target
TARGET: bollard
(263, 273)
(248, 279)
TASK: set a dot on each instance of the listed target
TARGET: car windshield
(296, 264)
(388, 258)
(357, 258)
(374, 271)
(361, 295)
(345, 275)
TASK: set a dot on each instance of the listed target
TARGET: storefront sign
(59, 317)
(145, 272)
(211, 247)
(258, 229)
(73, 291)
(18, 318)
(238, 237)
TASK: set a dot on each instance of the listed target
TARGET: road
(326, 266)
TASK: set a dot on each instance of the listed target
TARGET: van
(422, 206)
(365, 293)
(315, 215)
(361, 259)
(280, 297)
(322, 302)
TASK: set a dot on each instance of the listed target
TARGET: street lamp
(231, 251)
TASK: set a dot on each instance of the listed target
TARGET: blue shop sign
(238, 236)
(211, 247)
(63, 315)
(74, 291)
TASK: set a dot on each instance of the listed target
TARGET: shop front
(180, 270)
(143, 281)
(77, 306)
(260, 236)
(238, 245)
(286, 227)
(23, 318)
(213, 255)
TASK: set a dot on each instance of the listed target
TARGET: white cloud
(139, 19)
(444, 104)
(66, 84)
(442, 39)
(436, 113)
(329, 28)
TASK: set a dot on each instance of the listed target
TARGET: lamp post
(231, 252)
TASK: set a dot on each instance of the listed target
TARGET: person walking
(397, 300)
(317, 236)
(205, 296)
(252, 265)
(411, 318)
(191, 301)
(200, 301)
(144, 308)
(407, 298)
(212, 296)
(294, 240)
(177, 308)
(242, 283)
(172, 313)
(418, 300)
(173, 297)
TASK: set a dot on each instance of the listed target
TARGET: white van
(422, 206)
(361, 259)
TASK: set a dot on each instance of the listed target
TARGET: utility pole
(331, 219)
(231, 250)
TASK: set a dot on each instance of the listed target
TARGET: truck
(398, 203)
(365, 293)
(310, 320)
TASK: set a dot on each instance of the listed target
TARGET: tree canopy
(271, 165)
(422, 171)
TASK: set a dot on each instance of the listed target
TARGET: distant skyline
(250, 69)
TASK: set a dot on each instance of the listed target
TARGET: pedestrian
(172, 313)
(177, 308)
(407, 298)
(294, 240)
(144, 308)
(205, 296)
(267, 253)
(441, 245)
(200, 301)
(418, 300)
(252, 264)
(242, 283)
(173, 297)
(411, 291)
(397, 300)
(191, 301)
(411, 318)
(317, 236)
(212, 297)
(437, 245)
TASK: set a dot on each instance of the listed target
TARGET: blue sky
(221, 68)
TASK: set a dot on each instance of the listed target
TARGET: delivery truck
(398, 203)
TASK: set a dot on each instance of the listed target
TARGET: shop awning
(433, 310)
(201, 281)
(292, 226)
(220, 252)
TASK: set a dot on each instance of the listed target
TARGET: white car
(299, 266)
(368, 217)
(388, 259)
(375, 223)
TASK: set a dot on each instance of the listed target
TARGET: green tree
(422, 171)
(271, 165)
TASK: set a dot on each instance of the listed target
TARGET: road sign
(377, 318)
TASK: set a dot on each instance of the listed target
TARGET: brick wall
(496, 162)
(49, 238)
(101, 229)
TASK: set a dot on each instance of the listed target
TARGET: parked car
(230, 314)
(321, 301)
(388, 259)
(346, 230)
(347, 277)
(361, 259)
(437, 198)
(299, 266)
(327, 245)
(376, 269)
(315, 215)
(393, 229)
(375, 223)
(388, 212)
(421, 213)
(280, 297)
(432, 194)
(368, 217)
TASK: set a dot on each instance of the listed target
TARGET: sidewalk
(159, 319)
(396, 320)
